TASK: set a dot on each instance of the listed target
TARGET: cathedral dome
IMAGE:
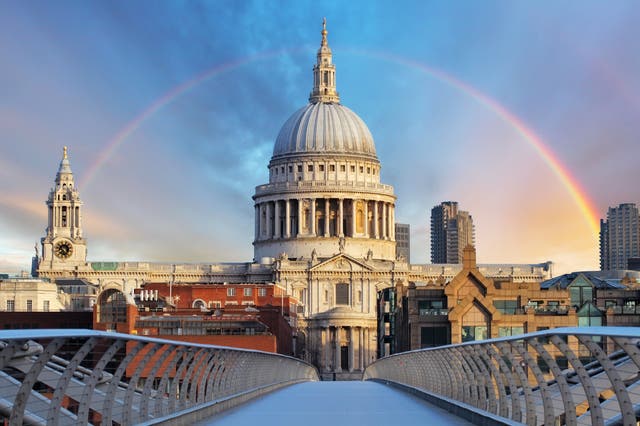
(324, 128)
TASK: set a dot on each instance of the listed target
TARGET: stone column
(353, 218)
(299, 217)
(287, 219)
(257, 221)
(327, 205)
(324, 362)
(276, 218)
(392, 222)
(384, 221)
(338, 366)
(365, 345)
(340, 217)
(361, 348)
(79, 220)
(269, 228)
(375, 220)
(351, 349)
(366, 218)
(312, 225)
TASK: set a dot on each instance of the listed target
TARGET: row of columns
(57, 216)
(359, 352)
(273, 223)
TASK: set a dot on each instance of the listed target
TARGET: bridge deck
(334, 404)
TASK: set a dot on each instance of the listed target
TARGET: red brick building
(250, 316)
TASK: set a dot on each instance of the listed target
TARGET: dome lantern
(324, 73)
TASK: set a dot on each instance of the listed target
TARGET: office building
(619, 237)
(451, 231)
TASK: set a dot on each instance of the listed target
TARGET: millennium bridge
(572, 376)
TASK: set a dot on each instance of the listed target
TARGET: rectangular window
(310, 168)
(471, 333)
(290, 169)
(562, 362)
(29, 305)
(543, 365)
(431, 307)
(353, 169)
(342, 294)
(507, 307)
(321, 166)
(248, 291)
(262, 292)
(343, 168)
(299, 168)
(215, 304)
(45, 306)
(11, 305)
(332, 167)
(231, 291)
(510, 331)
(433, 336)
(368, 170)
(361, 169)
(543, 340)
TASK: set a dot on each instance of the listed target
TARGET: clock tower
(63, 247)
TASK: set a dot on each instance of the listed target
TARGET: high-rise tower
(619, 236)
(63, 247)
(451, 231)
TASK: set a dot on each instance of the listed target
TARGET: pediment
(341, 262)
(470, 279)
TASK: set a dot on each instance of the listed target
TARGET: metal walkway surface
(336, 404)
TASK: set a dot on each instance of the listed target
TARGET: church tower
(63, 247)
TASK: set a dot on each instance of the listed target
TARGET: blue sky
(179, 187)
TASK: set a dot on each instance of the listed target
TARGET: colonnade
(324, 217)
(338, 342)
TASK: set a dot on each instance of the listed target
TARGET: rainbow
(577, 192)
(112, 145)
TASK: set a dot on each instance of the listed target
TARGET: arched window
(112, 307)
(199, 304)
(359, 221)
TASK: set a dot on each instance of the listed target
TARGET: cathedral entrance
(344, 358)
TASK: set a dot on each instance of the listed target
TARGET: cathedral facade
(324, 233)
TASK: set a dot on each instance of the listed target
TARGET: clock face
(63, 249)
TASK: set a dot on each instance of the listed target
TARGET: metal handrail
(583, 375)
(93, 377)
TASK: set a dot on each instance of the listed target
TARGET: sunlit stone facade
(324, 232)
